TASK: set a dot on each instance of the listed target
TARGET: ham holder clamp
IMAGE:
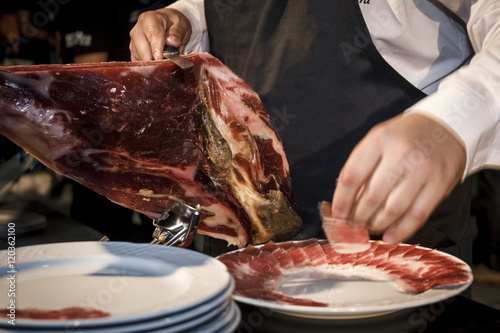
(178, 224)
(151, 135)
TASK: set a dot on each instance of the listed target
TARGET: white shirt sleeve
(195, 12)
(468, 100)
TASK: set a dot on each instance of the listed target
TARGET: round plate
(200, 316)
(131, 282)
(349, 298)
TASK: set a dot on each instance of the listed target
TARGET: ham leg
(145, 134)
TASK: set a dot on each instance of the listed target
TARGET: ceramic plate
(131, 282)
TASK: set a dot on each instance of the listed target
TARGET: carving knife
(172, 53)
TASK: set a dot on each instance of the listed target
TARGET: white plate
(132, 282)
(232, 322)
(202, 315)
(349, 299)
(227, 322)
(227, 319)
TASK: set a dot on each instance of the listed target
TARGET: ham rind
(344, 237)
(146, 134)
(409, 268)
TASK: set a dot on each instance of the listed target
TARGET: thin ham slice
(75, 312)
(344, 237)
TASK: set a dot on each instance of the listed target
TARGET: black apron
(324, 85)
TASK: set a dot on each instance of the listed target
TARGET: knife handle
(170, 50)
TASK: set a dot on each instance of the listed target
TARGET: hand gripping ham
(146, 134)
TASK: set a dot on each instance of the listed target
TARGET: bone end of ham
(343, 237)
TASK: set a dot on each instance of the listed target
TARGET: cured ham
(62, 314)
(146, 134)
(344, 237)
(259, 271)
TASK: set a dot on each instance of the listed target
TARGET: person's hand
(156, 28)
(397, 175)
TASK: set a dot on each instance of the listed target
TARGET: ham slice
(343, 237)
(62, 314)
(145, 134)
(259, 271)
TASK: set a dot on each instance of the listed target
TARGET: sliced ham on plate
(260, 271)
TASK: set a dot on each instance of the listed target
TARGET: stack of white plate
(140, 288)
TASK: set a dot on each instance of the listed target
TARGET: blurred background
(50, 32)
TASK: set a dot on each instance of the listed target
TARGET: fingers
(140, 49)
(352, 178)
(415, 216)
(397, 176)
(147, 37)
(392, 186)
(398, 202)
(154, 29)
(377, 189)
(178, 31)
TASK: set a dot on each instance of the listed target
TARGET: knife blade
(172, 53)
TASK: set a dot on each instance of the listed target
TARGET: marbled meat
(145, 134)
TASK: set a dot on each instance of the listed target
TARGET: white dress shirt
(450, 49)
